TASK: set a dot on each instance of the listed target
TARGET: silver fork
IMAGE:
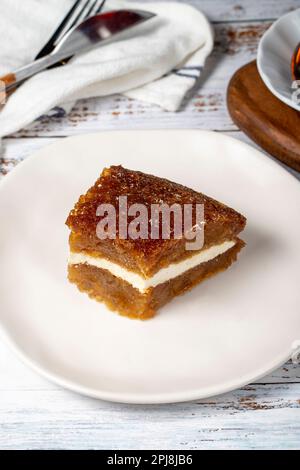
(80, 10)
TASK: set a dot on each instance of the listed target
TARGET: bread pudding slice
(136, 275)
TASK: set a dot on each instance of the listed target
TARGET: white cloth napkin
(158, 65)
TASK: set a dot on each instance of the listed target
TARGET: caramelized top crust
(221, 222)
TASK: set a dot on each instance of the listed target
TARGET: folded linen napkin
(158, 65)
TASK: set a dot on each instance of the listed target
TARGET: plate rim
(136, 398)
(260, 57)
(143, 398)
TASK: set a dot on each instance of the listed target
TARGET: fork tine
(73, 21)
(91, 10)
(86, 11)
(48, 47)
(84, 14)
(98, 7)
(101, 6)
(95, 8)
(76, 14)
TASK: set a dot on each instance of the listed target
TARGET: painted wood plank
(235, 45)
(241, 10)
(261, 416)
(13, 151)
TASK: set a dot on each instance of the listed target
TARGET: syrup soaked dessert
(136, 276)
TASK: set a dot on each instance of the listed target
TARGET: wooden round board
(264, 118)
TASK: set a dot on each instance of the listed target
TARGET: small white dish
(274, 56)
(225, 333)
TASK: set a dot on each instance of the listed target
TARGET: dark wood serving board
(272, 124)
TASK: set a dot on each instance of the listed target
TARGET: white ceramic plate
(274, 56)
(227, 332)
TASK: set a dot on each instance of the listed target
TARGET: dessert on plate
(121, 254)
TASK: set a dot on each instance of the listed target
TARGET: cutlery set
(79, 32)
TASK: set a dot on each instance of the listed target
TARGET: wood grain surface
(35, 414)
(263, 117)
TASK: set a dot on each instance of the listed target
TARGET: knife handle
(6, 86)
(10, 80)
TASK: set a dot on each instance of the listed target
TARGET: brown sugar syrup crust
(145, 257)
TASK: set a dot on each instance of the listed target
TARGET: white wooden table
(36, 414)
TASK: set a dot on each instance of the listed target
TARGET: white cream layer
(163, 275)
